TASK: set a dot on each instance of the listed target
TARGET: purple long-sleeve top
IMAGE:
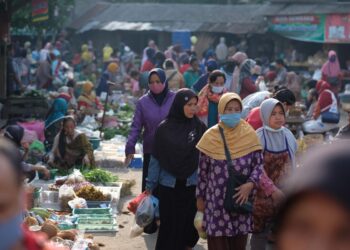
(148, 115)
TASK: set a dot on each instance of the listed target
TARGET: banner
(337, 28)
(303, 27)
(40, 10)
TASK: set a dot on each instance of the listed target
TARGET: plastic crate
(99, 204)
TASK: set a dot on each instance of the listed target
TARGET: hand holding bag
(234, 181)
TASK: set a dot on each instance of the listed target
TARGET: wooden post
(5, 16)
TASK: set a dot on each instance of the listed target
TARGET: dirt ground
(122, 241)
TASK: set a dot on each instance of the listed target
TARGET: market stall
(67, 208)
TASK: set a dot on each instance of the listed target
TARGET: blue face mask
(231, 120)
(11, 232)
(217, 90)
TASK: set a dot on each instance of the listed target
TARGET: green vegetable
(100, 176)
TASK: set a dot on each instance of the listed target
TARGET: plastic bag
(66, 194)
(145, 212)
(136, 230)
(90, 123)
(75, 178)
(132, 206)
(198, 224)
(77, 203)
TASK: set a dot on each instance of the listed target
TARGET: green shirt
(191, 78)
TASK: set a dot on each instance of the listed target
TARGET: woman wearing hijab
(53, 121)
(173, 168)
(151, 109)
(16, 134)
(331, 69)
(228, 230)
(87, 101)
(238, 58)
(316, 213)
(279, 149)
(71, 148)
(209, 98)
(150, 63)
(246, 84)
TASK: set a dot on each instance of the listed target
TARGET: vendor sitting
(71, 148)
(88, 102)
(16, 134)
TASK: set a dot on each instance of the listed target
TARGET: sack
(330, 117)
(234, 181)
(133, 205)
(145, 212)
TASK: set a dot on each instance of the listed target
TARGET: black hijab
(176, 138)
(15, 133)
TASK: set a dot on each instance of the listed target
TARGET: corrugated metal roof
(237, 19)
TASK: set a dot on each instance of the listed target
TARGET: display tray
(79, 211)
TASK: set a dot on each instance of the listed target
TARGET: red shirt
(254, 118)
(248, 87)
(184, 68)
(147, 66)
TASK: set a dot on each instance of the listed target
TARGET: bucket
(95, 142)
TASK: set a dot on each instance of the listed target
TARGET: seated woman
(88, 102)
(16, 134)
(71, 148)
(326, 114)
(53, 121)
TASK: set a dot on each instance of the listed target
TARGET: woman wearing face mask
(279, 149)
(151, 109)
(13, 235)
(316, 213)
(227, 230)
(173, 168)
(209, 98)
(246, 84)
(331, 69)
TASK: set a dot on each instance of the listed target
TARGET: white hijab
(276, 140)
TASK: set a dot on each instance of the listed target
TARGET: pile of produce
(90, 193)
(98, 175)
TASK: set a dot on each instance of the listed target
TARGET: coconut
(49, 229)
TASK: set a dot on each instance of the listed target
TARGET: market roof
(236, 19)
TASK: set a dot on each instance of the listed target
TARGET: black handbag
(235, 180)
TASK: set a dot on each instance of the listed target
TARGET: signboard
(302, 27)
(337, 28)
(40, 10)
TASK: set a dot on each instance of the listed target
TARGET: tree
(59, 15)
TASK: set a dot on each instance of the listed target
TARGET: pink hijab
(239, 58)
(331, 69)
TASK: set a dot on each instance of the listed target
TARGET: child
(279, 148)
(135, 86)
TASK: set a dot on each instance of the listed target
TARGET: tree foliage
(59, 15)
